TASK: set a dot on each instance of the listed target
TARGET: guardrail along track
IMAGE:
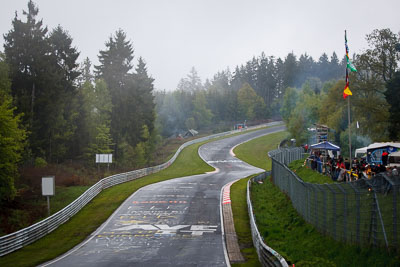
(28, 235)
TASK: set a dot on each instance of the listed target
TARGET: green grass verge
(299, 242)
(255, 152)
(242, 223)
(285, 230)
(64, 196)
(307, 174)
(98, 210)
(260, 147)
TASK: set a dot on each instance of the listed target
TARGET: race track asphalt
(171, 223)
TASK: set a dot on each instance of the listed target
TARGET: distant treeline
(53, 109)
(374, 103)
(254, 91)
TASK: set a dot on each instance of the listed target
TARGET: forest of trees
(54, 109)
(253, 92)
(374, 104)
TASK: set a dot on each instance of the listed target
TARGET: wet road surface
(171, 223)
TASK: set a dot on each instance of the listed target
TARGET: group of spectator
(340, 169)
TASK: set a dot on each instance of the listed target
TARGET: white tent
(362, 150)
(378, 145)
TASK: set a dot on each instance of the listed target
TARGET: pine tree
(43, 72)
(26, 50)
(115, 64)
(12, 137)
(290, 69)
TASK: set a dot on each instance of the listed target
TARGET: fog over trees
(55, 109)
(253, 92)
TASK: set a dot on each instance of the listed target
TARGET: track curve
(171, 223)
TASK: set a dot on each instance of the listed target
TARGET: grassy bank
(238, 191)
(299, 242)
(308, 175)
(98, 210)
(285, 231)
(255, 152)
(242, 223)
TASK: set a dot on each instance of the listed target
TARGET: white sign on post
(103, 158)
(48, 186)
(48, 189)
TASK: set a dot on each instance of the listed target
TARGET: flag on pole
(350, 65)
(347, 91)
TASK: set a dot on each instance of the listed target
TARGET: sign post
(48, 189)
(104, 158)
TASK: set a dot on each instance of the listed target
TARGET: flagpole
(348, 117)
(348, 93)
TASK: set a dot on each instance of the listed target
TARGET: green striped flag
(350, 65)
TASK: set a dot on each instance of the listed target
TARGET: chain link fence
(362, 212)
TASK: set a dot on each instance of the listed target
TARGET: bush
(40, 162)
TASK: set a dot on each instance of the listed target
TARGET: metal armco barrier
(266, 255)
(23, 237)
(362, 212)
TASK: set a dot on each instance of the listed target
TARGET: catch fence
(363, 212)
(23, 237)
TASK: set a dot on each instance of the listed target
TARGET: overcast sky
(211, 35)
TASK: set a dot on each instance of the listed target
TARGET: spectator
(319, 164)
(363, 173)
(395, 172)
(347, 167)
(314, 161)
(389, 171)
(384, 158)
(342, 171)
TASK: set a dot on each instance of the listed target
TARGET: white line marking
(94, 234)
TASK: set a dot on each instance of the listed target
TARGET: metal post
(395, 189)
(315, 207)
(381, 219)
(357, 212)
(344, 212)
(325, 207)
(334, 210)
(348, 116)
(377, 211)
(48, 205)
(309, 205)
